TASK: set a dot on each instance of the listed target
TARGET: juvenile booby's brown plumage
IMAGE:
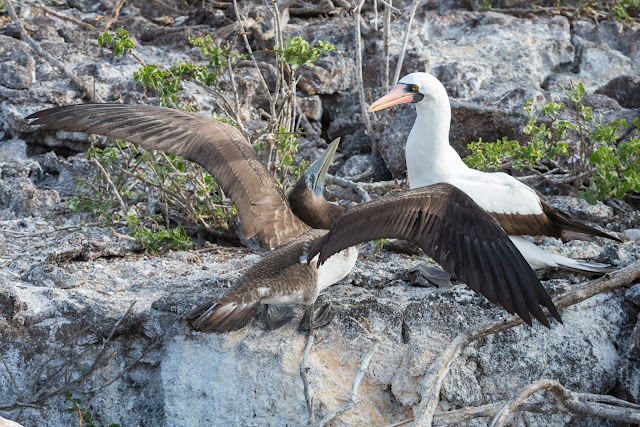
(219, 148)
(519, 209)
(444, 221)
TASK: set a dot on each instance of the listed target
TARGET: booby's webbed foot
(425, 275)
(317, 317)
(277, 316)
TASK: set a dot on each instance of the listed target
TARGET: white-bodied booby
(518, 208)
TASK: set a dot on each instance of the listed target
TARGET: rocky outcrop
(87, 311)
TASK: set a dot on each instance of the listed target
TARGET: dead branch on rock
(555, 179)
(312, 8)
(362, 187)
(84, 87)
(304, 368)
(114, 15)
(364, 364)
(46, 10)
(19, 235)
(432, 381)
(360, 81)
(247, 46)
(128, 367)
(576, 404)
(44, 393)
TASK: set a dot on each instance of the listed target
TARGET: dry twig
(86, 90)
(364, 364)
(248, 47)
(114, 15)
(42, 395)
(81, 24)
(112, 185)
(386, 43)
(576, 404)
(414, 7)
(360, 81)
(432, 381)
(304, 368)
(362, 187)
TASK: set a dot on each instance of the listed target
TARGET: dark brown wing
(452, 229)
(551, 222)
(220, 149)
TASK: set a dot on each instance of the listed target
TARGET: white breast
(336, 267)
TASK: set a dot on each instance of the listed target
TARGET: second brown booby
(444, 221)
(518, 208)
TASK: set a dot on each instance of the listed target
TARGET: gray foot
(425, 275)
(317, 317)
(277, 316)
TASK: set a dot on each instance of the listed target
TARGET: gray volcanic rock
(624, 89)
(17, 66)
(65, 291)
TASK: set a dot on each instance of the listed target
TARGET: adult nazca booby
(518, 208)
(441, 219)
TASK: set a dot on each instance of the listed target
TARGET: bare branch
(128, 367)
(576, 404)
(84, 87)
(386, 43)
(362, 187)
(112, 185)
(360, 82)
(81, 24)
(396, 77)
(351, 402)
(248, 47)
(432, 382)
(555, 179)
(11, 377)
(114, 15)
(19, 235)
(304, 368)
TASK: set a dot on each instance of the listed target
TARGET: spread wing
(219, 148)
(453, 230)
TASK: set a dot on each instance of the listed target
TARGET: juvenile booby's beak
(317, 172)
(397, 95)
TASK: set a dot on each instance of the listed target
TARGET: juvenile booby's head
(315, 175)
(306, 198)
(413, 88)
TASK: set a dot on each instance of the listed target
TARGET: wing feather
(452, 229)
(221, 149)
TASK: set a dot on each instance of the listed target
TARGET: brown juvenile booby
(518, 208)
(444, 221)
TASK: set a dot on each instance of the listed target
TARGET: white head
(421, 89)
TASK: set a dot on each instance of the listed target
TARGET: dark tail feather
(210, 316)
(566, 222)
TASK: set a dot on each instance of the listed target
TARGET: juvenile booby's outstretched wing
(457, 233)
(219, 148)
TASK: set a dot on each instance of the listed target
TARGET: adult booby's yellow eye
(414, 88)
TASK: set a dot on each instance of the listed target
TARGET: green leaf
(587, 196)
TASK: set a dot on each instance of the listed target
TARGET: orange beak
(397, 95)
